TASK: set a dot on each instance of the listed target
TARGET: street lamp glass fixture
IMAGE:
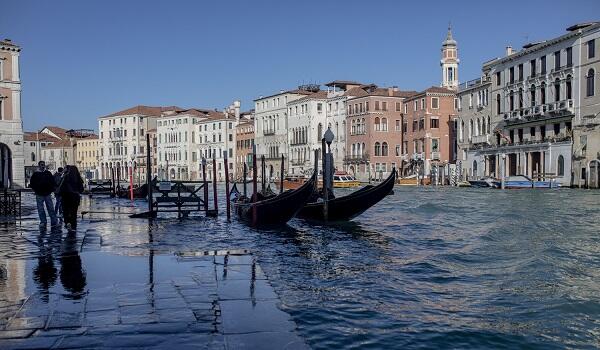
(329, 136)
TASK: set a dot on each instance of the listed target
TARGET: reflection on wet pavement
(60, 290)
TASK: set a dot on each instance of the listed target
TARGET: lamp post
(327, 167)
(502, 170)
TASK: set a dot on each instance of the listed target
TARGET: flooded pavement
(426, 268)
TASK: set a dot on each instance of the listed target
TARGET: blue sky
(84, 59)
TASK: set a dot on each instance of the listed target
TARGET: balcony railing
(435, 156)
(548, 110)
(417, 156)
(480, 139)
(269, 132)
(356, 158)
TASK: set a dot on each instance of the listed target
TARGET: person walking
(70, 188)
(42, 183)
(58, 207)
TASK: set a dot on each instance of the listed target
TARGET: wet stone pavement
(60, 290)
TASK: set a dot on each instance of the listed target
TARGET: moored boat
(349, 206)
(522, 181)
(140, 192)
(485, 182)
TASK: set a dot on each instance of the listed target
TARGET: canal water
(426, 268)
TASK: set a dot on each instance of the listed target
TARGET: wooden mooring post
(205, 185)
(149, 181)
(227, 187)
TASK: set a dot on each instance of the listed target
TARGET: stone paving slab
(60, 291)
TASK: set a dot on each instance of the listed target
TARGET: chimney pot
(509, 50)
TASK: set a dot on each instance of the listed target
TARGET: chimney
(236, 107)
(7, 40)
(509, 50)
(395, 87)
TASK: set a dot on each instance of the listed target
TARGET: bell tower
(449, 62)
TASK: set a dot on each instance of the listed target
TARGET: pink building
(374, 125)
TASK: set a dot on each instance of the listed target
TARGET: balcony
(546, 111)
(418, 156)
(268, 132)
(481, 139)
(299, 162)
(435, 156)
(355, 159)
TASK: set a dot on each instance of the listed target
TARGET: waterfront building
(12, 171)
(244, 141)
(474, 128)
(176, 147)
(216, 140)
(586, 133)
(535, 97)
(59, 154)
(86, 157)
(33, 144)
(122, 140)
(153, 153)
(428, 133)
(373, 126)
(271, 125)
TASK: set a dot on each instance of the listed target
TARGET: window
(560, 166)
(511, 101)
(532, 132)
(591, 47)
(398, 109)
(532, 95)
(376, 105)
(543, 93)
(543, 64)
(319, 107)
(398, 125)
(377, 149)
(384, 149)
(589, 86)
(32, 157)
(498, 80)
(556, 129)
(532, 68)
(511, 75)
(521, 72)
(415, 125)
(422, 124)
(435, 103)
(557, 90)
(434, 123)
(422, 103)
(367, 106)
(569, 88)
(557, 60)
(397, 150)
(498, 104)
(569, 56)
(384, 106)
(435, 145)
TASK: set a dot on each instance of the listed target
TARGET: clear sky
(84, 59)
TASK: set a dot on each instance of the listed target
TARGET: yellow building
(86, 156)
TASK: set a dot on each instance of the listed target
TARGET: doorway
(5, 166)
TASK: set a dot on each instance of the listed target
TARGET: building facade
(12, 170)
(177, 154)
(122, 138)
(586, 133)
(86, 157)
(244, 142)
(271, 126)
(535, 104)
(373, 126)
(428, 133)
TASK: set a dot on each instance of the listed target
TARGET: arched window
(498, 107)
(377, 149)
(362, 149)
(478, 128)
(589, 90)
(543, 93)
(319, 132)
(363, 126)
(557, 90)
(569, 88)
(561, 166)
(521, 98)
(383, 124)
(353, 149)
(353, 127)
(511, 99)
(32, 157)
(489, 125)
(470, 129)
(532, 95)
(384, 149)
(377, 126)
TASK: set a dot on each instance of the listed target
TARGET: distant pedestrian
(70, 189)
(57, 178)
(42, 183)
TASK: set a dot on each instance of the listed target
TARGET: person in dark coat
(58, 207)
(42, 183)
(70, 188)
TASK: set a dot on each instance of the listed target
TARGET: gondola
(348, 207)
(140, 192)
(272, 210)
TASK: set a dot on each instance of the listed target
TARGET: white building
(12, 172)
(216, 140)
(122, 140)
(176, 145)
(534, 99)
(271, 126)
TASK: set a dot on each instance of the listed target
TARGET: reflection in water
(72, 274)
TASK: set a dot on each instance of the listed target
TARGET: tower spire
(449, 61)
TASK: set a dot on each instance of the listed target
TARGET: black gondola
(274, 210)
(350, 206)
(140, 192)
